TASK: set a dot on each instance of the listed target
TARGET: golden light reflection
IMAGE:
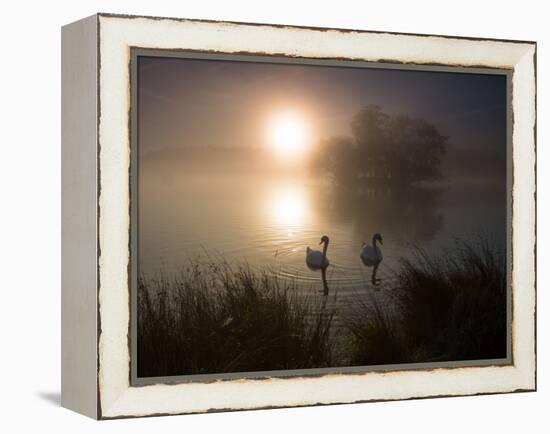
(289, 135)
(289, 208)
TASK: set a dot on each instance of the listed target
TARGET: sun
(289, 135)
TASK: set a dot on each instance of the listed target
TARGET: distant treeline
(383, 149)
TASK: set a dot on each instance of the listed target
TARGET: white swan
(316, 260)
(372, 256)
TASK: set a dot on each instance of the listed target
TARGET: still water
(268, 221)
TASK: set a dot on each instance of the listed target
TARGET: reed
(218, 318)
(448, 307)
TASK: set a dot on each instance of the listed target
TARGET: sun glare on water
(289, 207)
(289, 135)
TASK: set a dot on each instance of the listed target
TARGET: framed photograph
(261, 216)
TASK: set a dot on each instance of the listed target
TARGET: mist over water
(267, 221)
(251, 163)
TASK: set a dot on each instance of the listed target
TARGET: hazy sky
(185, 102)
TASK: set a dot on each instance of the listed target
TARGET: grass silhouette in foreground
(217, 318)
(447, 308)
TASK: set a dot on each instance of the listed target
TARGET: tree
(384, 149)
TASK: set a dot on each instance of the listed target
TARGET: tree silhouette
(384, 149)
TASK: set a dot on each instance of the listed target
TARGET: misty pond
(267, 218)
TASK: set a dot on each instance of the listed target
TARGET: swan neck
(325, 248)
(374, 240)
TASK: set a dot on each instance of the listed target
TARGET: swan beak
(321, 242)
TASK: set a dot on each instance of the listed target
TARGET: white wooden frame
(96, 216)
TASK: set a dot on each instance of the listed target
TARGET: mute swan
(372, 256)
(316, 260)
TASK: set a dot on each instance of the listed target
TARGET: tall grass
(216, 318)
(450, 307)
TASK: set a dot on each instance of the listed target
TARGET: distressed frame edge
(530, 49)
(79, 267)
(315, 28)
